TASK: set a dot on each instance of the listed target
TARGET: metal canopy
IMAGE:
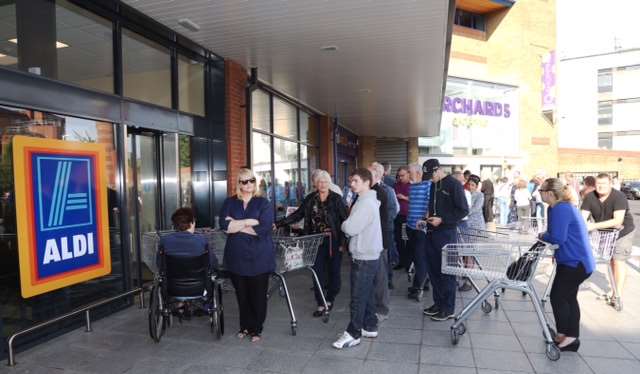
(378, 65)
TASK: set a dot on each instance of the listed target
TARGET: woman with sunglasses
(249, 255)
(575, 263)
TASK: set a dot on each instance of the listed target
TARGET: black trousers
(251, 292)
(403, 251)
(564, 299)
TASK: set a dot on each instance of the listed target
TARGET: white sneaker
(345, 341)
(369, 334)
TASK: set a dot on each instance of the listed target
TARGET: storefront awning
(378, 66)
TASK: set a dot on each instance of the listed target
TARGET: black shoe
(442, 316)
(391, 287)
(415, 295)
(431, 311)
(573, 347)
(398, 267)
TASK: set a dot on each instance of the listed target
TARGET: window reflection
(260, 111)
(284, 119)
(79, 48)
(146, 68)
(191, 85)
(186, 192)
(261, 152)
(286, 174)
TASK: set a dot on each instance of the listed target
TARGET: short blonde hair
(244, 174)
(378, 169)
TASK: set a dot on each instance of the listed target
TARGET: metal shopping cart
(296, 253)
(471, 236)
(603, 245)
(502, 264)
(526, 228)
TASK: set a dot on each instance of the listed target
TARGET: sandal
(320, 311)
(242, 334)
(255, 338)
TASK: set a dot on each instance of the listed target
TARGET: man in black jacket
(447, 207)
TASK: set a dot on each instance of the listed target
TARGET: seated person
(184, 242)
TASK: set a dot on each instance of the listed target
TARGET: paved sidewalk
(508, 340)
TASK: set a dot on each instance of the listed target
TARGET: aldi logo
(63, 234)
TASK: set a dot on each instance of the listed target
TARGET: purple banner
(549, 81)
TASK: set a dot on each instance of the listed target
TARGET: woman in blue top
(574, 260)
(249, 254)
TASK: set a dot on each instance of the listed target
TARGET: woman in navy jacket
(249, 255)
(574, 260)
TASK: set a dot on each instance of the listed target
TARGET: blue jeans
(419, 239)
(503, 206)
(327, 267)
(444, 286)
(363, 300)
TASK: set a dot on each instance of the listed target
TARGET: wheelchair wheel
(156, 317)
(215, 324)
(221, 309)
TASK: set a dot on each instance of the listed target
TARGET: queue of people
(370, 225)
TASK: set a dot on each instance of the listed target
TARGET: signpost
(61, 201)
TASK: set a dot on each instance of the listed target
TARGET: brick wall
(235, 80)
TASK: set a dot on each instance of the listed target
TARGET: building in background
(493, 117)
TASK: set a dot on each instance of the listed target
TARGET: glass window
(77, 46)
(18, 313)
(605, 80)
(605, 140)
(186, 192)
(468, 19)
(286, 174)
(284, 119)
(260, 111)
(191, 85)
(605, 113)
(308, 163)
(146, 68)
(261, 152)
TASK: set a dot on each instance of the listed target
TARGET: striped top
(418, 202)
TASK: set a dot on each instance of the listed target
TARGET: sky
(596, 26)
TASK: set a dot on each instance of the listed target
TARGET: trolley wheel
(216, 328)
(293, 330)
(156, 317)
(457, 332)
(486, 307)
(496, 304)
(325, 317)
(552, 352)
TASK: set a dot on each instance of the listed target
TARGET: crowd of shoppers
(389, 223)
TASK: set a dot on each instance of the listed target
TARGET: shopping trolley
(296, 253)
(603, 245)
(525, 228)
(504, 267)
(470, 236)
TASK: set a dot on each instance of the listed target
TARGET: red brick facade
(235, 80)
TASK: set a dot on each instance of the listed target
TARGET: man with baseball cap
(447, 207)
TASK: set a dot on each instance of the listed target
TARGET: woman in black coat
(323, 211)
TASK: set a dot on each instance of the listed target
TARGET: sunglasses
(252, 180)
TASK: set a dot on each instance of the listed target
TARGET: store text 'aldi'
(61, 201)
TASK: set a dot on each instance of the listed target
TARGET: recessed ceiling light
(58, 44)
(329, 48)
(189, 24)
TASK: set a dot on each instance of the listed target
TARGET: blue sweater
(418, 202)
(244, 254)
(568, 230)
(184, 243)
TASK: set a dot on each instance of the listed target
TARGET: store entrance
(152, 183)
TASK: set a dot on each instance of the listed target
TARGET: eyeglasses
(541, 190)
(252, 180)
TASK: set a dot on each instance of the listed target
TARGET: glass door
(143, 191)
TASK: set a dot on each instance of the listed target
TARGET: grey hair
(415, 168)
(320, 174)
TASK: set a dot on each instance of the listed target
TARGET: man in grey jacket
(365, 245)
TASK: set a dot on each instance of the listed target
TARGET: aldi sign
(61, 201)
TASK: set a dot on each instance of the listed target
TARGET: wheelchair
(182, 286)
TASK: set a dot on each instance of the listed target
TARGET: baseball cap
(429, 167)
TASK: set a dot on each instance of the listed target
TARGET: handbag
(520, 269)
